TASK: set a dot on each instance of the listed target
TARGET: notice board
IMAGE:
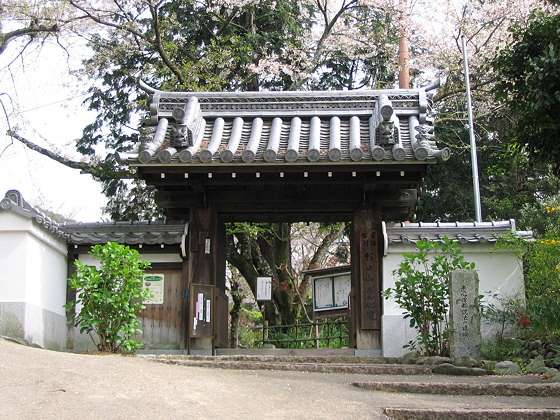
(331, 292)
(155, 285)
(202, 310)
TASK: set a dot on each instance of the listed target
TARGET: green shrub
(542, 278)
(501, 349)
(422, 291)
(109, 297)
(507, 315)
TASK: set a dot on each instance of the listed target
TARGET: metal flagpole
(474, 160)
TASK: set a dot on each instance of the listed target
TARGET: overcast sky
(50, 114)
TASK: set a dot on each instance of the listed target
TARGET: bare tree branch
(444, 95)
(31, 31)
(100, 21)
(85, 167)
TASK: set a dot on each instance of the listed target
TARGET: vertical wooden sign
(369, 281)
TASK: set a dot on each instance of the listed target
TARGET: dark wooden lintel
(368, 167)
(290, 200)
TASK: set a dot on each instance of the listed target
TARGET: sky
(48, 112)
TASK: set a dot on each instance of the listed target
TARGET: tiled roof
(462, 232)
(161, 233)
(208, 129)
(13, 201)
(130, 233)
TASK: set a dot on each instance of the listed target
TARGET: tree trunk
(404, 69)
(237, 297)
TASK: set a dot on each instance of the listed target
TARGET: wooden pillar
(203, 235)
(203, 256)
(184, 327)
(367, 244)
(221, 301)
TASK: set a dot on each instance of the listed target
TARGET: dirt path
(43, 384)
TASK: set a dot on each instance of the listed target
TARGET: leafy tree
(109, 297)
(529, 84)
(514, 182)
(512, 185)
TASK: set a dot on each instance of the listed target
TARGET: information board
(323, 293)
(155, 285)
(342, 287)
(331, 292)
(264, 289)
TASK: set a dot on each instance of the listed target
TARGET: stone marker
(464, 316)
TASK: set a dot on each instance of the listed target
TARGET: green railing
(328, 333)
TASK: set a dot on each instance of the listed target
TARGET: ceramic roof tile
(462, 232)
(130, 233)
(13, 201)
(255, 128)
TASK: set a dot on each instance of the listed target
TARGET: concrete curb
(506, 414)
(494, 389)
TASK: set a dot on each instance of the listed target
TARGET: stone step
(297, 365)
(463, 414)
(492, 388)
(289, 359)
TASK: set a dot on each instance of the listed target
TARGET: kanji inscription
(369, 281)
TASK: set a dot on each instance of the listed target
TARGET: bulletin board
(202, 310)
(331, 292)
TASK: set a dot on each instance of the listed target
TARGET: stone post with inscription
(464, 316)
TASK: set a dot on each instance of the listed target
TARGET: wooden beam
(288, 199)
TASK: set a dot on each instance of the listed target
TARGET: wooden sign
(369, 281)
(264, 289)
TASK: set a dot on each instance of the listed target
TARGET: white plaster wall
(32, 281)
(13, 252)
(498, 271)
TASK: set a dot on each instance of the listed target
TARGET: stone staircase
(389, 376)
(324, 364)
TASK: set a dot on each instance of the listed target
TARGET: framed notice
(323, 293)
(331, 292)
(155, 285)
(264, 288)
(342, 286)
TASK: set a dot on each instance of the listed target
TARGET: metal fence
(328, 333)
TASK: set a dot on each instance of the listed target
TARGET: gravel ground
(42, 384)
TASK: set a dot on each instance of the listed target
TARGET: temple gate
(354, 156)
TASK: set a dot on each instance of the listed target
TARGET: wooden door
(161, 322)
